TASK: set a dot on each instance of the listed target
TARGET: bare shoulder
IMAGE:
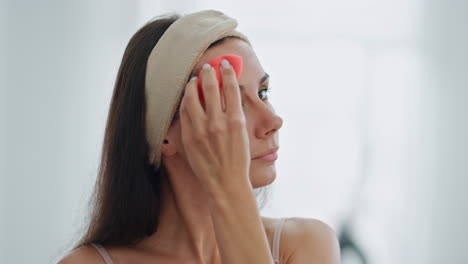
(84, 254)
(306, 240)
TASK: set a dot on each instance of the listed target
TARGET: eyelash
(266, 90)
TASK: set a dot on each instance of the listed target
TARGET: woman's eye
(263, 93)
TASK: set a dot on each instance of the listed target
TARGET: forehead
(251, 67)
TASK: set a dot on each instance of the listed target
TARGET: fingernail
(225, 63)
(206, 66)
(193, 78)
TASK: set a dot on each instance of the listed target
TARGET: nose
(269, 122)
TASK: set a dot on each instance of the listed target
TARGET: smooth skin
(209, 213)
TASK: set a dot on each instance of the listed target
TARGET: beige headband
(170, 64)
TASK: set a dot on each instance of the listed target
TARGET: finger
(232, 96)
(193, 107)
(211, 91)
(191, 99)
(185, 125)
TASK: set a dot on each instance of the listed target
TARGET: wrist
(229, 192)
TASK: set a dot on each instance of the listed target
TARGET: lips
(269, 155)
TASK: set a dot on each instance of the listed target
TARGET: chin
(262, 174)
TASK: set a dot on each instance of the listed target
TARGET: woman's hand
(215, 138)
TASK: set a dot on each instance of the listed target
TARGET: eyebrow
(262, 80)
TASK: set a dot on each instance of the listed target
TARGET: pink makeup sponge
(234, 60)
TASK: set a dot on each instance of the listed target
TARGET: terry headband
(169, 66)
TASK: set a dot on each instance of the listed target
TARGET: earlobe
(168, 149)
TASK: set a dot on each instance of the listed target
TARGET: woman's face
(262, 122)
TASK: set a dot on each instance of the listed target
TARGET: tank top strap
(103, 253)
(276, 240)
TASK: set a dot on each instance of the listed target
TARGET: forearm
(238, 226)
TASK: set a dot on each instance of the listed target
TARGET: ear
(168, 147)
(171, 144)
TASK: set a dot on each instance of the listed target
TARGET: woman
(184, 192)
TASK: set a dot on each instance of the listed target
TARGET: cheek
(250, 124)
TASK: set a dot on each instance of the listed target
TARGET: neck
(185, 227)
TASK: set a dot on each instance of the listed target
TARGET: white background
(372, 92)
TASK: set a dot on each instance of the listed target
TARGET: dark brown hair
(125, 204)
